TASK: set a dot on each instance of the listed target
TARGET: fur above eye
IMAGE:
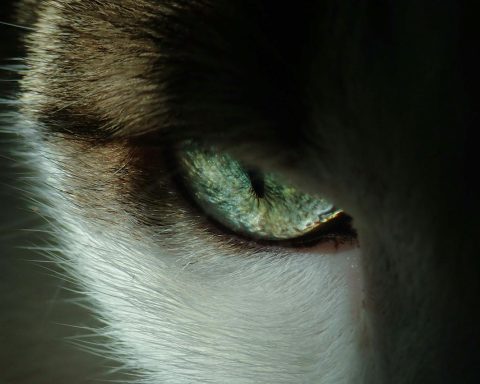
(250, 203)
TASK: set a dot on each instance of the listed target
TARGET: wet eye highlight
(248, 202)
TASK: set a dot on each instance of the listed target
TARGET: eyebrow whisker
(16, 26)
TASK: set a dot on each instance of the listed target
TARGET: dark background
(35, 340)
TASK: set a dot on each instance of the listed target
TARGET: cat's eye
(250, 203)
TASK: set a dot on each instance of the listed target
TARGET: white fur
(193, 313)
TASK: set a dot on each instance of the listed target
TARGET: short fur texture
(361, 102)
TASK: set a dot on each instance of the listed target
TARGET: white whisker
(17, 26)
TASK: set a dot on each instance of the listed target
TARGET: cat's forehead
(107, 69)
(258, 77)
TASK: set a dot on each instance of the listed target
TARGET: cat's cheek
(346, 261)
(355, 280)
(360, 309)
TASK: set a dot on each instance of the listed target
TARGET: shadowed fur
(363, 103)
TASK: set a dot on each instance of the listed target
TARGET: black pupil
(258, 182)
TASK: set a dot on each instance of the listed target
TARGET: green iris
(260, 206)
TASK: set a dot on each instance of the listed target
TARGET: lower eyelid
(327, 245)
(332, 246)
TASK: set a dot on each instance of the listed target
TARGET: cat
(368, 105)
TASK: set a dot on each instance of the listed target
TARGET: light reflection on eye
(246, 201)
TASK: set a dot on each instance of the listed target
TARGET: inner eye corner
(337, 230)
